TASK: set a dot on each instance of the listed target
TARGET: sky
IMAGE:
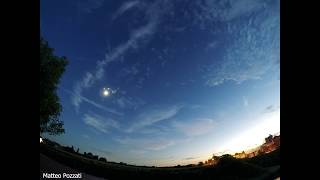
(183, 79)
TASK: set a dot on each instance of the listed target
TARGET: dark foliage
(51, 69)
(102, 159)
(69, 149)
(266, 160)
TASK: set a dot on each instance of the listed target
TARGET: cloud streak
(77, 98)
(270, 109)
(124, 8)
(100, 123)
(190, 158)
(215, 10)
(149, 118)
(154, 13)
(129, 103)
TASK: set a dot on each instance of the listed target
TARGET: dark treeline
(72, 150)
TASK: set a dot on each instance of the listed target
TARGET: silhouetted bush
(236, 167)
(102, 159)
(69, 149)
(266, 160)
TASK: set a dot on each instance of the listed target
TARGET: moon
(105, 92)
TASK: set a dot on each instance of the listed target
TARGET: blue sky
(186, 78)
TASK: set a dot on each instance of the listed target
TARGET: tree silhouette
(51, 69)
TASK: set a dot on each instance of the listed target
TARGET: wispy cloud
(89, 6)
(254, 48)
(136, 74)
(154, 116)
(77, 98)
(154, 12)
(187, 82)
(270, 109)
(195, 127)
(190, 158)
(133, 70)
(212, 45)
(228, 10)
(100, 123)
(125, 7)
(159, 144)
(156, 130)
(129, 102)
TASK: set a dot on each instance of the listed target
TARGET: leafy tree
(51, 69)
(215, 157)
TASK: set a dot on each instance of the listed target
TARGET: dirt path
(48, 165)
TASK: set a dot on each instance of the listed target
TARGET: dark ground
(49, 165)
(263, 167)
